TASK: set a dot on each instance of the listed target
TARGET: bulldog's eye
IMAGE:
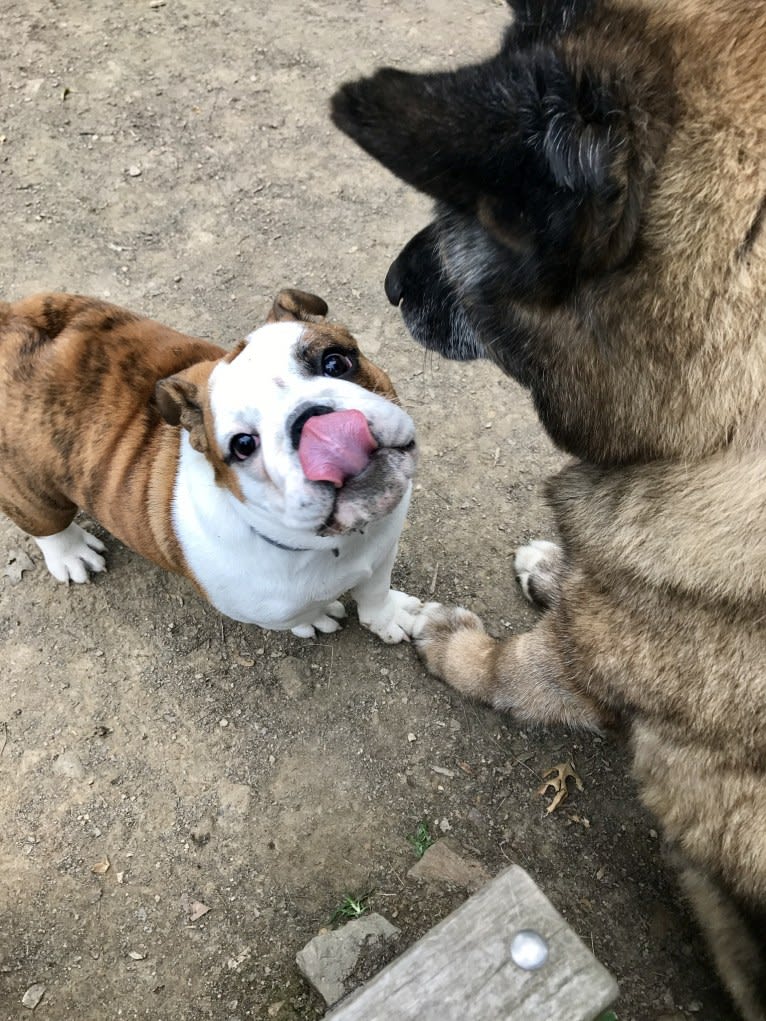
(243, 445)
(337, 364)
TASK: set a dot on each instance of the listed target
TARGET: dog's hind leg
(525, 675)
(539, 566)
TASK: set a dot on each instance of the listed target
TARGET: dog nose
(394, 283)
(302, 418)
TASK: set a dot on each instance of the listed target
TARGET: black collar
(290, 549)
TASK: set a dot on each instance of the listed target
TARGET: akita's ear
(477, 129)
(414, 124)
(292, 304)
(546, 151)
(543, 20)
(180, 401)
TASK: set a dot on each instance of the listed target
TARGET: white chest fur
(244, 575)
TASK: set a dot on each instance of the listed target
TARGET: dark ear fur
(540, 151)
(537, 20)
(178, 403)
(291, 304)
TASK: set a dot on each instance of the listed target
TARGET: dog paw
(395, 619)
(538, 571)
(335, 609)
(70, 555)
(326, 622)
(435, 628)
(303, 631)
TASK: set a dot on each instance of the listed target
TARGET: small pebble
(33, 995)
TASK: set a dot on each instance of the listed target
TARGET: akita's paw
(395, 619)
(437, 637)
(70, 555)
(538, 571)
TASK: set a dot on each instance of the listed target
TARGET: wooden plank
(462, 970)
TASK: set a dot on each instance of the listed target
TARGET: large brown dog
(601, 236)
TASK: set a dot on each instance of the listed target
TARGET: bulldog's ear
(294, 305)
(179, 402)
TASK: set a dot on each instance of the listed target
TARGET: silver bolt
(529, 950)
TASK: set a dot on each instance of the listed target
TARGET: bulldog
(275, 476)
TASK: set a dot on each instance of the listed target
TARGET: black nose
(296, 428)
(394, 283)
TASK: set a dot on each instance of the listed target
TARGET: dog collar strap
(290, 549)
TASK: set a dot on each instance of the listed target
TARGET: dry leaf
(558, 783)
(197, 910)
(101, 867)
(16, 563)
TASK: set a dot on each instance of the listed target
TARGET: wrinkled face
(303, 430)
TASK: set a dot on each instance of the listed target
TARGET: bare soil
(177, 158)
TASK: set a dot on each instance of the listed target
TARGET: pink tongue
(335, 446)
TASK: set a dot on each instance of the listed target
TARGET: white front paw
(394, 620)
(71, 554)
(326, 622)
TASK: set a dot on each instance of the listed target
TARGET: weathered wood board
(463, 970)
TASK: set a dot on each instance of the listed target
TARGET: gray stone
(331, 960)
(443, 865)
(33, 995)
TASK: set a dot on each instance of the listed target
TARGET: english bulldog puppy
(275, 476)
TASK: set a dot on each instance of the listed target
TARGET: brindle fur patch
(61, 358)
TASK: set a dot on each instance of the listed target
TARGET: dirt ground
(177, 158)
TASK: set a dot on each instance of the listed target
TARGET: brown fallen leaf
(196, 910)
(101, 867)
(559, 775)
(16, 563)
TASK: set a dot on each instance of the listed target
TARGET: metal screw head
(529, 950)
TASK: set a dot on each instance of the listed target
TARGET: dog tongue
(335, 446)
